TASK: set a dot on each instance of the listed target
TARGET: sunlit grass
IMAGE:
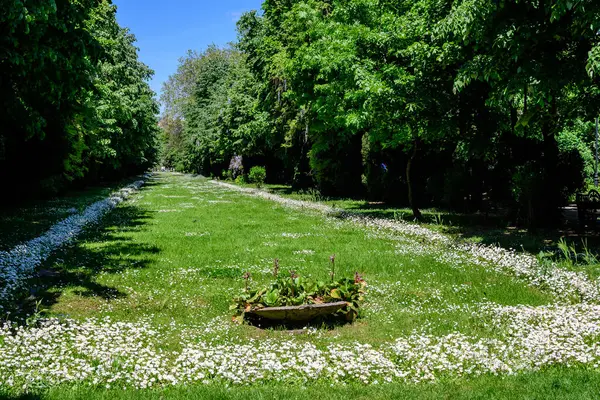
(493, 228)
(178, 253)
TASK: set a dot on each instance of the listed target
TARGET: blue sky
(165, 30)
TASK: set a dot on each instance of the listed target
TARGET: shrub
(240, 179)
(180, 166)
(227, 175)
(257, 175)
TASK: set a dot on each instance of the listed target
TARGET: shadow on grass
(151, 182)
(27, 396)
(492, 228)
(379, 209)
(328, 323)
(31, 218)
(281, 190)
(488, 229)
(511, 237)
(383, 210)
(101, 249)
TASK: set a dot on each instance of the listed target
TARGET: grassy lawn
(139, 308)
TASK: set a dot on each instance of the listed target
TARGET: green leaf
(271, 299)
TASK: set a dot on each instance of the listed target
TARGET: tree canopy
(76, 104)
(453, 103)
(456, 103)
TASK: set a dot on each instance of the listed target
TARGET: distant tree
(123, 134)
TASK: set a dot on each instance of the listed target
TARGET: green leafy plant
(588, 257)
(257, 175)
(568, 252)
(294, 290)
(311, 194)
(398, 216)
(227, 175)
(437, 219)
(37, 315)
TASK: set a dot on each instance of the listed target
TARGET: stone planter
(303, 313)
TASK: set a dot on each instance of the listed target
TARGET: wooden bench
(587, 208)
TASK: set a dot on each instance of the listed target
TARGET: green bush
(227, 175)
(257, 175)
(180, 166)
(240, 179)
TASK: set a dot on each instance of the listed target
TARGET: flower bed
(85, 352)
(296, 299)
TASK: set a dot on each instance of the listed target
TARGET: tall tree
(533, 54)
(47, 61)
(123, 133)
(75, 101)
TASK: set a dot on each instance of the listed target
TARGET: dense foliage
(75, 102)
(460, 103)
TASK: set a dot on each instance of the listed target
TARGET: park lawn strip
(481, 228)
(416, 239)
(142, 301)
(161, 252)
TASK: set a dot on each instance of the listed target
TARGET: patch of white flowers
(307, 252)
(18, 264)
(418, 240)
(126, 354)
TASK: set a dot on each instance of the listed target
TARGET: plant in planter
(294, 291)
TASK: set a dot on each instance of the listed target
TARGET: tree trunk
(302, 179)
(411, 201)
(547, 212)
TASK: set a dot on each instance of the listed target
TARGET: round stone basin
(299, 313)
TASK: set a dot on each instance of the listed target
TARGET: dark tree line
(75, 104)
(458, 103)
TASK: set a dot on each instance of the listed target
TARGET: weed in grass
(438, 219)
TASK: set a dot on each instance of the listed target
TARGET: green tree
(75, 100)
(123, 132)
(47, 61)
(533, 55)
